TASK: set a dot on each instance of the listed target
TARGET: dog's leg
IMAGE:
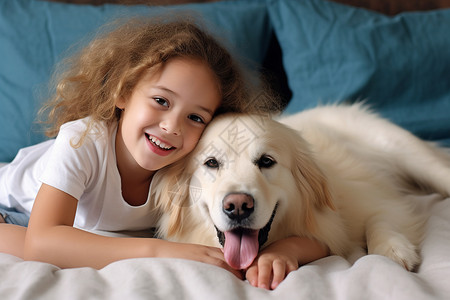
(384, 239)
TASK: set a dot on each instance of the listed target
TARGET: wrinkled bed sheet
(370, 277)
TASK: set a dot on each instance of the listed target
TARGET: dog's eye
(265, 161)
(212, 163)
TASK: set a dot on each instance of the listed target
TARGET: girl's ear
(120, 103)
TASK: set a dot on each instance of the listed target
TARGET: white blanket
(370, 277)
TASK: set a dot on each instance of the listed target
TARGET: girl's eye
(196, 118)
(161, 101)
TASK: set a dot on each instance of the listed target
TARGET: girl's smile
(158, 146)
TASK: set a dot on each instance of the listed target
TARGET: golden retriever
(338, 174)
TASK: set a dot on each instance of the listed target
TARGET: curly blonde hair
(110, 66)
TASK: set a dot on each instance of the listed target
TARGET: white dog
(338, 174)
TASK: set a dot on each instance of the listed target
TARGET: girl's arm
(280, 258)
(52, 238)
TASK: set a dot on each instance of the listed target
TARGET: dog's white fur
(342, 176)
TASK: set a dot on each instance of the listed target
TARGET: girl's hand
(280, 258)
(271, 267)
(210, 255)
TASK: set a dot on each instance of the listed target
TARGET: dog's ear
(311, 183)
(171, 194)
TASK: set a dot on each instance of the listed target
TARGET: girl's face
(166, 114)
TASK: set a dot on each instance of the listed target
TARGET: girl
(132, 102)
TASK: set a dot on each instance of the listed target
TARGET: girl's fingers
(279, 273)
(252, 275)
(268, 274)
(264, 273)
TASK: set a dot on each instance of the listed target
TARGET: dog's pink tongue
(241, 248)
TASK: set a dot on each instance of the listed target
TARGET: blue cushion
(399, 65)
(34, 34)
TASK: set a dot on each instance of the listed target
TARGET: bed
(311, 52)
(370, 277)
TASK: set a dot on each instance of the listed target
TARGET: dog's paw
(399, 249)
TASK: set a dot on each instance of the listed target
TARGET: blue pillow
(399, 65)
(34, 34)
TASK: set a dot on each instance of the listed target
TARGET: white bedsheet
(370, 277)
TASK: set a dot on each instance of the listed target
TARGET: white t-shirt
(88, 173)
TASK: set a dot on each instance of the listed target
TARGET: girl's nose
(171, 126)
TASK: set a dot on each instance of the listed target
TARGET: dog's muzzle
(242, 243)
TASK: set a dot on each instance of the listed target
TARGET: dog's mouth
(241, 245)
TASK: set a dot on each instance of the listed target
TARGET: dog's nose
(238, 206)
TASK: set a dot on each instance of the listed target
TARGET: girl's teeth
(159, 143)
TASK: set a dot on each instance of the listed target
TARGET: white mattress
(370, 277)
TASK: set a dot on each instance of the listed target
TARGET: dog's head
(254, 181)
